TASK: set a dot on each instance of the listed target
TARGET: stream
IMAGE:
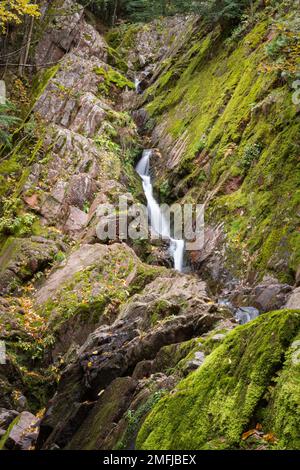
(156, 217)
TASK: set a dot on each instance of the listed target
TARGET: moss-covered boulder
(249, 380)
(21, 258)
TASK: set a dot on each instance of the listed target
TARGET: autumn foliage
(12, 11)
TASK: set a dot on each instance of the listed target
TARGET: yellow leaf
(269, 437)
(248, 434)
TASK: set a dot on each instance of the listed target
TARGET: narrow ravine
(157, 219)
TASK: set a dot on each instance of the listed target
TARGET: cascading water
(137, 85)
(157, 219)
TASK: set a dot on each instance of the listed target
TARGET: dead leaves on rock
(258, 434)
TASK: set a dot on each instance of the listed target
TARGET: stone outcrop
(21, 434)
(21, 258)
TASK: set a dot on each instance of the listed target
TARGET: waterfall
(156, 217)
(137, 85)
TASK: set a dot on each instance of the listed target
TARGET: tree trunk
(27, 47)
(114, 18)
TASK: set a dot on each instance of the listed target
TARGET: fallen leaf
(269, 438)
(248, 434)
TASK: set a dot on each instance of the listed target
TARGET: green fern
(7, 120)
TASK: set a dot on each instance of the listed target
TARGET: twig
(10, 64)
(3, 56)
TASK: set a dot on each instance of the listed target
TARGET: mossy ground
(212, 407)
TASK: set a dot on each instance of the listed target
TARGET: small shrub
(275, 47)
(251, 154)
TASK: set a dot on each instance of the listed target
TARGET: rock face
(205, 413)
(71, 31)
(209, 130)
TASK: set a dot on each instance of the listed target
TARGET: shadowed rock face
(71, 31)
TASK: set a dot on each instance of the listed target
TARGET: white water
(156, 217)
(137, 84)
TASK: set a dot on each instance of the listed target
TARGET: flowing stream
(156, 217)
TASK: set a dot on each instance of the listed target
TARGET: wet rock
(196, 362)
(102, 419)
(140, 118)
(269, 295)
(22, 434)
(210, 260)
(246, 314)
(142, 369)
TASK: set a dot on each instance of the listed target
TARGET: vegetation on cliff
(133, 354)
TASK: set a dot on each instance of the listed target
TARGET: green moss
(161, 309)
(135, 418)
(41, 81)
(112, 78)
(7, 433)
(91, 295)
(116, 60)
(122, 40)
(98, 423)
(282, 415)
(213, 406)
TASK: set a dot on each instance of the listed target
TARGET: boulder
(85, 256)
(212, 408)
(22, 433)
(268, 295)
(21, 258)
(294, 299)
(6, 417)
(76, 221)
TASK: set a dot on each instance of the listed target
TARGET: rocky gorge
(107, 345)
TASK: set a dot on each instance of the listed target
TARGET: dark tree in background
(225, 12)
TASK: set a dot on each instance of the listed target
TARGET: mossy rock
(212, 407)
(113, 79)
(21, 258)
(229, 118)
